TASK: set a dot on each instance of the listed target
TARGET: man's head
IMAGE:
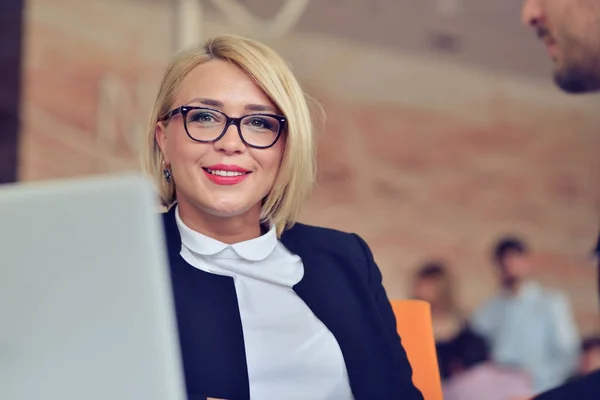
(571, 31)
(433, 284)
(512, 257)
(589, 360)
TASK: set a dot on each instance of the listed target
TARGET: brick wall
(420, 185)
(422, 157)
(90, 74)
(429, 159)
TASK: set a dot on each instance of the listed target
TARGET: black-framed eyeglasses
(206, 125)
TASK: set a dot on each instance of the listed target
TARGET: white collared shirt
(290, 353)
(534, 330)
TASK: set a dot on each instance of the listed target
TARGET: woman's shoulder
(303, 238)
(299, 229)
(321, 236)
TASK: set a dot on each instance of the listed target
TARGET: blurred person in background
(432, 283)
(478, 378)
(528, 326)
(571, 32)
(589, 359)
(267, 308)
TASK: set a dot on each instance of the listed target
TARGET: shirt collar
(256, 249)
(529, 290)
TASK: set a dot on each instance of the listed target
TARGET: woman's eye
(203, 117)
(262, 123)
(258, 123)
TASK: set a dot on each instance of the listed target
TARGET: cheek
(269, 159)
(182, 151)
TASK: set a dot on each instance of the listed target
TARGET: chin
(230, 209)
(576, 80)
(226, 212)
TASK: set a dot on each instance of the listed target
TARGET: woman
(266, 308)
(434, 285)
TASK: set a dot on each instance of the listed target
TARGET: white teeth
(225, 173)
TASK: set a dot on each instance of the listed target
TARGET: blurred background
(444, 131)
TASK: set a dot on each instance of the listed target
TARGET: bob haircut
(297, 171)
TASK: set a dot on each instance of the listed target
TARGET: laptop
(86, 307)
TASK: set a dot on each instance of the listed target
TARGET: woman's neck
(224, 229)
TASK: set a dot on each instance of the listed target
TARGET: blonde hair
(298, 166)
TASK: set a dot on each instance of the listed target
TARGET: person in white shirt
(528, 326)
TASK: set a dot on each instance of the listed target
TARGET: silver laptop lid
(85, 298)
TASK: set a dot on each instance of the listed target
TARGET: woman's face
(197, 167)
(427, 289)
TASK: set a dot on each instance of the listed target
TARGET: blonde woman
(267, 308)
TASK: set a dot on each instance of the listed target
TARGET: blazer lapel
(338, 295)
(210, 327)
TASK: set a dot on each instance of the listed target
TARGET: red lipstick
(225, 174)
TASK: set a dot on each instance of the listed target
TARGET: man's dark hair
(507, 245)
(590, 343)
(433, 269)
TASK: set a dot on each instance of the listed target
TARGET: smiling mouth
(545, 36)
(220, 172)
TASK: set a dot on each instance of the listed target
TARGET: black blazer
(341, 285)
(585, 388)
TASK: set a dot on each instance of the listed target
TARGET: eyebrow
(220, 105)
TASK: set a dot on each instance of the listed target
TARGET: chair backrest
(413, 323)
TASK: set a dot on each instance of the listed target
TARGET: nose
(532, 12)
(231, 142)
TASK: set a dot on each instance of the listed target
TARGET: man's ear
(160, 135)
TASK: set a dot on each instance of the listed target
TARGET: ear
(160, 135)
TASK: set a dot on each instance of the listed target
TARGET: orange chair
(413, 322)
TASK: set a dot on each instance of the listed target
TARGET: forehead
(222, 81)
